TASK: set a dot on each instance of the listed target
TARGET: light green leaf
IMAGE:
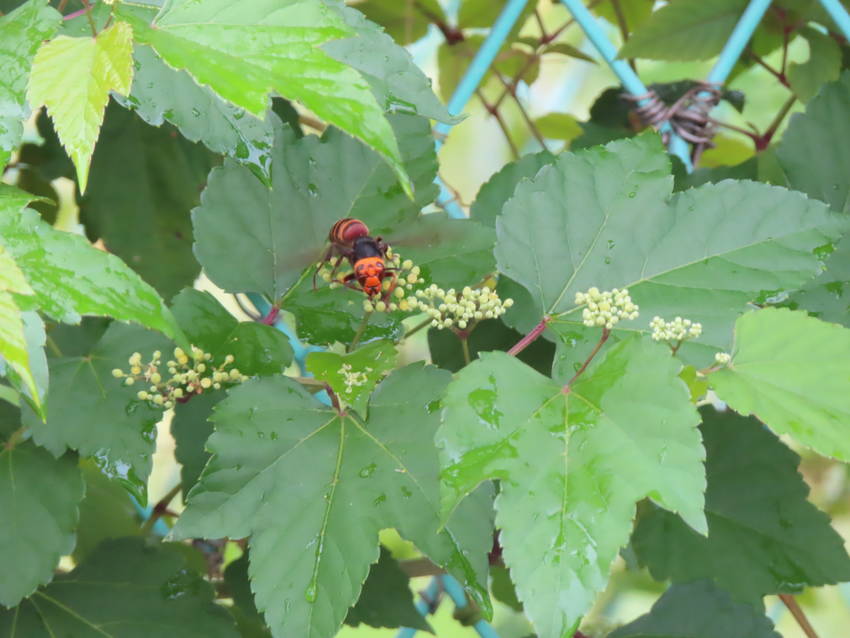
(569, 50)
(405, 20)
(702, 254)
(159, 93)
(217, 42)
(124, 588)
(21, 33)
(386, 600)
(257, 349)
(571, 464)
(764, 537)
(791, 370)
(39, 498)
(558, 126)
(353, 376)
(31, 380)
(153, 177)
(73, 78)
(823, 65)
(72, 278)
(698, 610)
(91, 411)
(685, 30)
(314, 488)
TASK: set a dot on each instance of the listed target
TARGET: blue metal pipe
(629, 79)
(456, 593)
(423, 606)
(741, 35)
(839, 15)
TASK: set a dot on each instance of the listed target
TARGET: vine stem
(360, 330)
(88, 10)
(494, 111)
(605, 334)
(624, 28)
(799, 615)
(528, 339)
(764, 140)
(417, 328)
(525, 116)
(464, 343)
(161, 508)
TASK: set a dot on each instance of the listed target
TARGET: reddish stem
(605, 334)
(799, 615)
(75, 14)
(271, 317)
(528, 339)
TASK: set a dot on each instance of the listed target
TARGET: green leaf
(569, 50)
(73, 78)
(386, 600)
(790, 370)
(153, 177)
(249, 620)
(823, 65)
(405, 20)
(635, 12)
(397, 83)
(257, 349)
(216, 42)
(21, 33)
(252, 238)
(558, 126)
(31, 382)
(105, 512)
(127, 587)
(483, 13)
(501, 185)
(685, 30)
(353, 376)
(159, 94)
(489, 334)
(815, 155)
(503, 589)
(313, 488)
(690, 254)
(698, 610)
(572, 464)
(191, 428)
(39, 498)
(91, 411)
(72, 278)
(764, 537)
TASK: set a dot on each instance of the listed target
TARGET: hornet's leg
(393, 284)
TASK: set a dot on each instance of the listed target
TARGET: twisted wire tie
(688, 116)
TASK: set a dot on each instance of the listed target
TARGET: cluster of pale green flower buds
(722, 358)
(674, 331)
(408, 275)
(190, 374)
(606, 308)
(459, 310)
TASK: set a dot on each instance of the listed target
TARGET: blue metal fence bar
(456, 593)
(631, 82)
(838, 14)
(424, 605)
(741, 35)
(469, 83)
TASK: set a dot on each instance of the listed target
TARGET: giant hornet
(349, 239)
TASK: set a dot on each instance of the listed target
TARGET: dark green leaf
(21, 33)
(314, 488)
(501, 185)
(572, 464)
(386, 600)
(490, 334)
(215, 41)
(249, 620)
(91, 411)
(143, 183)
(160, 93)
(257, 349)
(105, 512)
(72, 278)
(698, 610)
(353, 376)
(191, 428)
(692, 254)
(764, 537)
(635, 12)
(503, 589)
(685, 30)
(39, 498)
(128, 587)
(405, 20)
(483, 13)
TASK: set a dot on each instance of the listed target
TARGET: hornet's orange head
(370, 274)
